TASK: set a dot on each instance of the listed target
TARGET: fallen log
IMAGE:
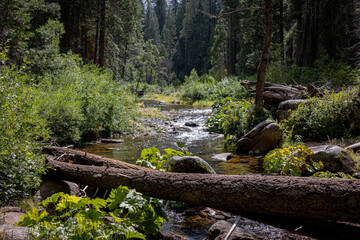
(309, 198)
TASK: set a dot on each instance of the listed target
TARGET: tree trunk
(308, 198)
(265, 55)
(102, 34)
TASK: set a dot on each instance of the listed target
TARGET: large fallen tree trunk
(312, 198)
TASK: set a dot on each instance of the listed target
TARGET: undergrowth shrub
(235, 117)
(81, 102)
(332, 116)
(291, 161)
(69, 217)
(21, 132)
(206, 87)
(152, 158)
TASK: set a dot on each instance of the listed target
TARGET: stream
(187, 222)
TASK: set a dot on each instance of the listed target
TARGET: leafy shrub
(332, 116)
(21, 131)
(206, 87)
(328, 174)
(291, 161)
(152, 158)
(81, 101)
(235, 117)
(71, 217)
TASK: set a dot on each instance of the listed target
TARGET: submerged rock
(223, 156)
(334, 158)
(189, 164)
(262, 138)
(220, 229)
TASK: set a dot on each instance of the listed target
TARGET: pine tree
(160, 11)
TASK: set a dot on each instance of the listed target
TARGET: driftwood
(309, 198)
(277, 93)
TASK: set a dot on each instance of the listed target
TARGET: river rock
(220, 229)
(223, 156)
(191, 124)
(334, 158)
(263, 138)
(189, 164)
(50, 187)
(284, 107)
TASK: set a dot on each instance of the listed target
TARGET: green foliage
(81, 102)
(152, 158)
(291, 161)
(207, 88)
(325, 72)
(328, 174)
(70, 217)
(235, 117)
(332, 116)
(21, 131)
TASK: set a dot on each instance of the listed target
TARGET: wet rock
(220, 229)
(50, 187)
(334, 158)
(263, 138)
(191, 124)
(177, 129)
(189, 164)
(223, 156)
(104, 140)
(284, 107)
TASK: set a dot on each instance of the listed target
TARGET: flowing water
(165, 134)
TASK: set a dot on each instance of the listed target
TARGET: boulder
(334, 158)
(284, 107)
(8, 217)
(10, 232)
(189, 164)
(220, 229)
(50, 187)
(263, 138)
(223, 156)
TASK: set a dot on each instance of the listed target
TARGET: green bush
(291, 161)
(152, 158)
(207, 88)
(81, 102)
(332, 116)
(232, 117)
(71, 217)
(21, 131)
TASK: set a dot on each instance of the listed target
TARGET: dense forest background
(160, 42)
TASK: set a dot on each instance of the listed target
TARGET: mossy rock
(189, 164)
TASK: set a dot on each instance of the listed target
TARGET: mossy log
(299, 197)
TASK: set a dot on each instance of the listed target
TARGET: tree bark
(308, 198)
(265, 55)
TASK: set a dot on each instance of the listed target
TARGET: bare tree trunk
(102, 34)
(308, 198)
(265, 55)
